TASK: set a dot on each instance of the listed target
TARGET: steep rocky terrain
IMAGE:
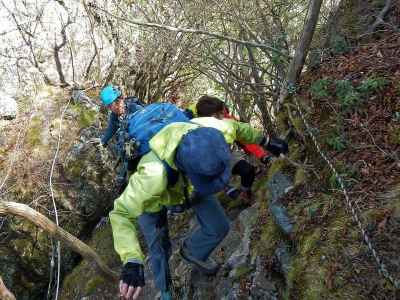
(297, 240)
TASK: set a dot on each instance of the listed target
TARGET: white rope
(54, 204)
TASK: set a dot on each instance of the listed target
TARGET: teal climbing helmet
(109, 94)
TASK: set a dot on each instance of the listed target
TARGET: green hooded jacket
(148, 189)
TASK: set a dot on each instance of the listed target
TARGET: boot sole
(199, 264)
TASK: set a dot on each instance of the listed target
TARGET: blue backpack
(145, 123)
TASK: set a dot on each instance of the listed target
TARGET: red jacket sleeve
(255, 149)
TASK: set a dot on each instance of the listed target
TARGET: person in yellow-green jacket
(200, 155)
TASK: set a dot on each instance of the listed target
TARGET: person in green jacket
(200, 155)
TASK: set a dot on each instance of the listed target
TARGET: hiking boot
(232, 192)
(209, 267)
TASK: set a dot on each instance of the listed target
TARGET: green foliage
(278, 59)
(339, 44)
(319, 89)
(347, 94)
(372, 84)
(334, 182)
(336, 142)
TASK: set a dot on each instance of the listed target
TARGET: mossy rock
(85, 280)
(269, 235)
(310, 275)
(74, 168)
(306, 271)
(85, 116)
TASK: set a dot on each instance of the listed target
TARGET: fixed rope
(55, 207)
(381, 266)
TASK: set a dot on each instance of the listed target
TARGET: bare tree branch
(96, 51)
(22, 210)
(190, 30)
(57, 47)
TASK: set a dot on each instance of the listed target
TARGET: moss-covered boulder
(81, 185)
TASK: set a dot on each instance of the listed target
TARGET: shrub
(347, 94)
(320, 88)
(336, 142)
(372, 84)
(339, 44)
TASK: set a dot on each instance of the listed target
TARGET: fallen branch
(22, 210)
(5, 294)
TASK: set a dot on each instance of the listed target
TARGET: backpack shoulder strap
(173, 177)
(172, 174)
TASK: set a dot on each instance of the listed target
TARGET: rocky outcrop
(83, 187)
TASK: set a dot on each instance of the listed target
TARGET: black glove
(133, 274)
(275, 145)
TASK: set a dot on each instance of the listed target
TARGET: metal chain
(381, 266)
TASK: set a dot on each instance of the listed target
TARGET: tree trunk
(297, 63)
(22, 210)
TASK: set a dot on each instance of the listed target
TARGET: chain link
(381, 266)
